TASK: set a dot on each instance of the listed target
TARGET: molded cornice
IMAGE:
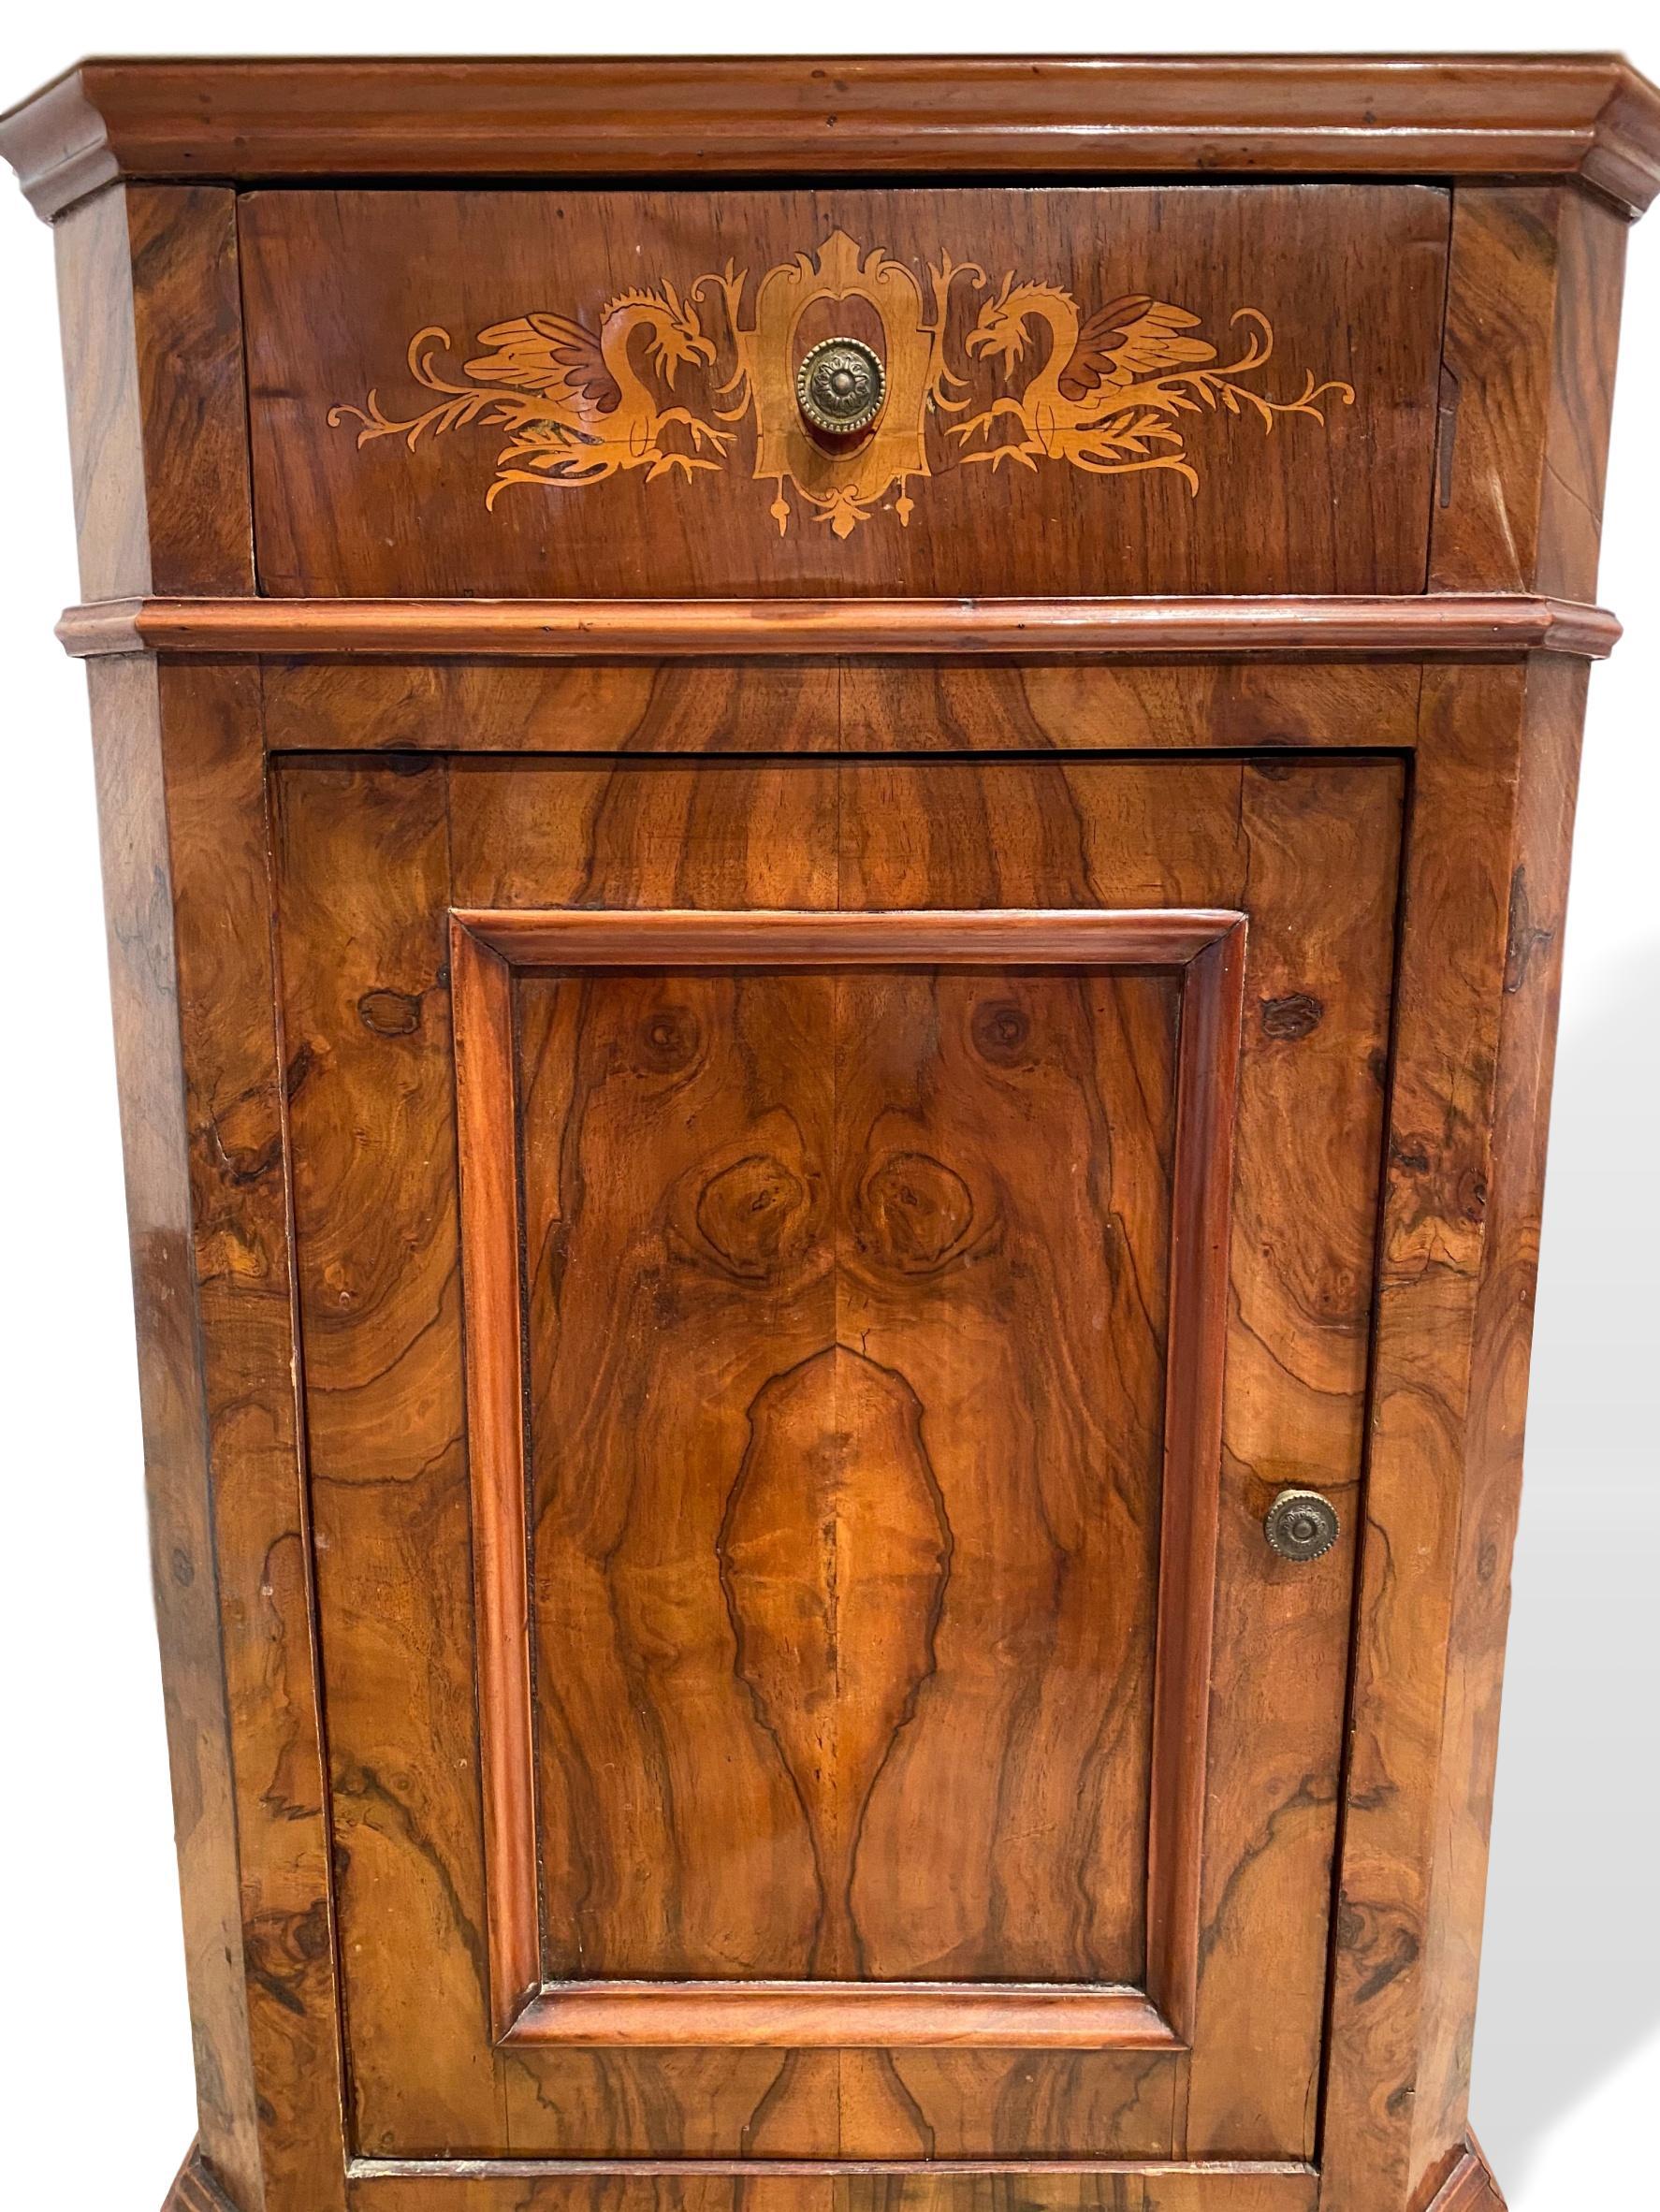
(1591, 117)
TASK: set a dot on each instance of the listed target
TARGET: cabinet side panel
(192, 386)
(1532, 321)
(101, 377)
(1554, 711)
(144, 990)
(1587, 340)
(1484, 882)
(151, 322)
(235, 1095)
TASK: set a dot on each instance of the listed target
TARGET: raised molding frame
(1208, 946)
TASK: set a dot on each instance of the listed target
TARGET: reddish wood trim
(843, 2015)
(481, 989)
(194, 2187)
(1470, 2187)
(1590, 116)
(570, 937)
(1213, 1001)
(600, 629)
(1244, 2171)
(485, 946)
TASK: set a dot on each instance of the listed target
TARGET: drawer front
(1201, 388)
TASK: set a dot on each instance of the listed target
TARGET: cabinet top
(1587, 116)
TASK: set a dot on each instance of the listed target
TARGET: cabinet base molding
(194, 2187)
(1470, 2187)
(781, 2169)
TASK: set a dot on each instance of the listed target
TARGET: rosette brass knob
(1301, 1524)
(840, 385)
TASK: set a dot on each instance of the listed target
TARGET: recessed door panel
(847, 1298)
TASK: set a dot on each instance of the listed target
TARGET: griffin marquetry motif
(574, 401)
(1109, 389)
(1104, 391)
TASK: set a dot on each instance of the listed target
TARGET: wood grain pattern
(1202, 1210)
(1475, 1021)
(492, 1232)
(777, 937)
(183, 796)
(1527, 387)
(152, 357)
(1097, 2185)
(857, 706)
(237, 1071)
(172, 1395)
(1243, 2175)
(1502, 1333)
(1470, 2187)
(765, 1388)
(101, 373)
(1338, 506)
(1295, 1414)
(911, 1199)
(1469, 625)
(362, 890)
(821, 2014)
(611, 834)
(1591, 116)
(194, 2187)
(1270, 1836)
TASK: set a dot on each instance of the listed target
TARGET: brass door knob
(1301, 1524)
(840, 385)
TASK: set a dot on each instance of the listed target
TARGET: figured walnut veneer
(773, 1087)
(885, 1503)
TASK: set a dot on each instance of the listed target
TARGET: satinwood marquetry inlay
(1113, 391)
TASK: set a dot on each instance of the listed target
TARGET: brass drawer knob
(840, 385)
(1301, 1524)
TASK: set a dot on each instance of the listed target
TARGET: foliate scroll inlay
(1117, 390)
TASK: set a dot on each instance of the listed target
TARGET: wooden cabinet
(835, 1140)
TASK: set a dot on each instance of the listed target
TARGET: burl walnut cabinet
(836, 805)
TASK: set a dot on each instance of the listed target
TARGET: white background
(1567, 2058)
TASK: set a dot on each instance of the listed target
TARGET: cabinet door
(812, 1274)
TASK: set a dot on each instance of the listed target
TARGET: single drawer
(1200, 388)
